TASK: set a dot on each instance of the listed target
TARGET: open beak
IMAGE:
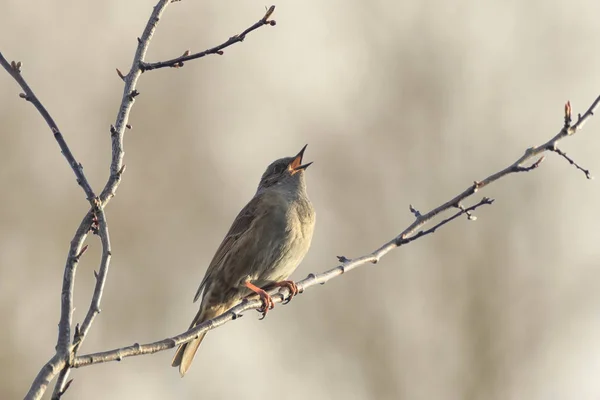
(295, 165)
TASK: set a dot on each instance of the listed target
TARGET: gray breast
(292, 244)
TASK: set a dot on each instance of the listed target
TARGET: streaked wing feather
(242, 222)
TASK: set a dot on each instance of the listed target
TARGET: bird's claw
(265, 298)
(267, 304)
(291, 286)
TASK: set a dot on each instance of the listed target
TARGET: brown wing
(241, 224)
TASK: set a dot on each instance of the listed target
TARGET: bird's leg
(291, 286)
(268, 303)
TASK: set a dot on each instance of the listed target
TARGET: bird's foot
(291, 286)
(267, 301)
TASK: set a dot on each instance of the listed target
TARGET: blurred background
(401, 103)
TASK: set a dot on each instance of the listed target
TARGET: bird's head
(285, 171)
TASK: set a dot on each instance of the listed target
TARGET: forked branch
(178, 61)
(95, 219)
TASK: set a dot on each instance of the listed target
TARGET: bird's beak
(295, 165)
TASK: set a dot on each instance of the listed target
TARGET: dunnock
(265, 244)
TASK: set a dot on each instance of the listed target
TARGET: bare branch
(129, 94)
(178, 62)
(411, 233)
(517, 166)
(63, 347)
(572, 162)
(80, 332)
(100, 279)
(117, 167)
(14, 69)
(95, 219)
(279, 296)
(45, 376)
(65, 351)
(96, 216)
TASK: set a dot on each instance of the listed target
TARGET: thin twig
(572, 162)
(411, 233)
(94, 308)
(178, 62)
(14, 69)
(517, 166)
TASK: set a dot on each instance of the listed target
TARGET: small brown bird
(265, 244)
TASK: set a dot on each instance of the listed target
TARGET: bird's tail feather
(186, 352)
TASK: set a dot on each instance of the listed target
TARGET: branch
(278, 296)
(117, 167)
(97, 222)
(517, 166)
(76, 250)
(573, 163)
(178, 62)
(95, 219)
(14, 69)
(410, 234)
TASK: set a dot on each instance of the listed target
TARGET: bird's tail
(186, 352)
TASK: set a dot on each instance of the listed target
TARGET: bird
(264, 245)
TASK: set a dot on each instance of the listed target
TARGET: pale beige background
(400, 102)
